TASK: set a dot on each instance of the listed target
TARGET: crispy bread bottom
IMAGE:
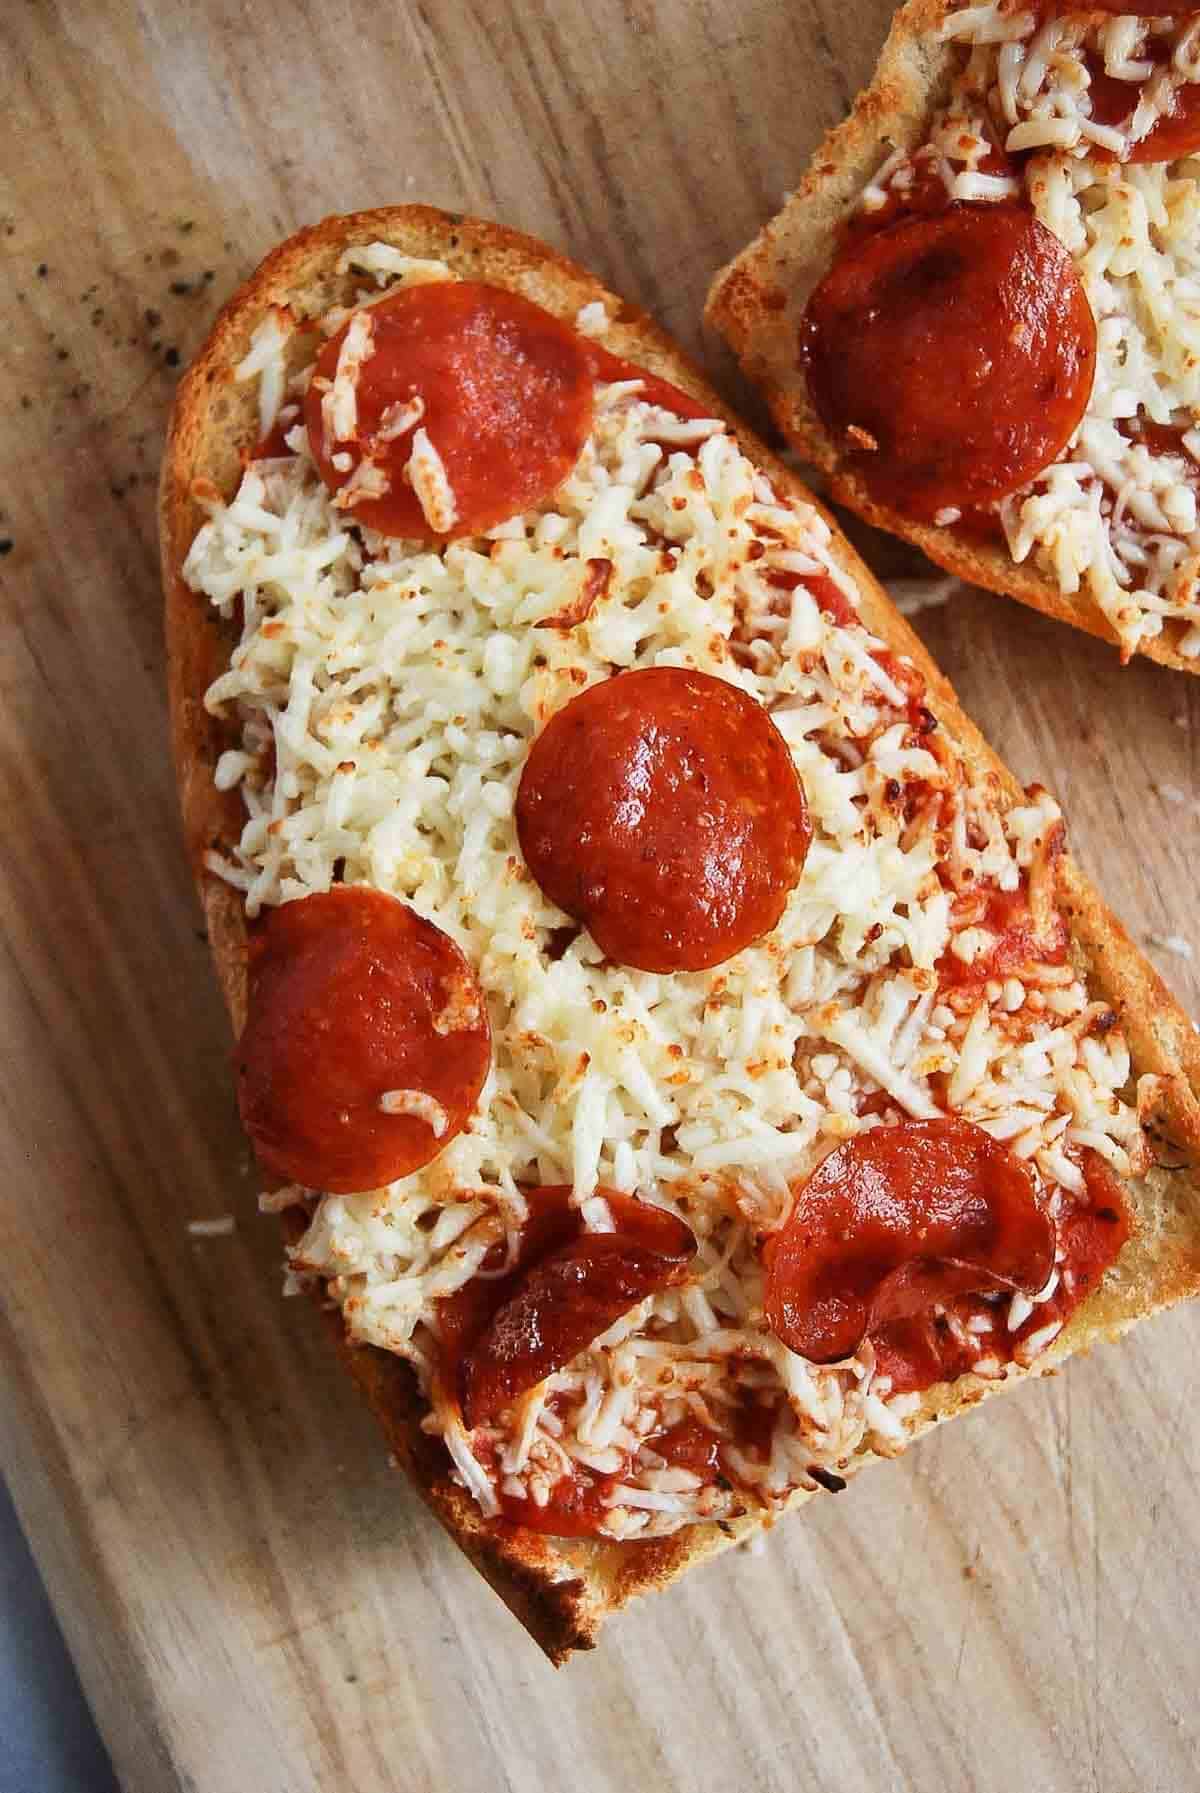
(757, 300)
(562, 1589)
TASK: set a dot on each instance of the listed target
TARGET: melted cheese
(386, 694)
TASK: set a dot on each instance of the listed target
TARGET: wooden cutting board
(255, 1602)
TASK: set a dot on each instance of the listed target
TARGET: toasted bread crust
(757, 300)
(561, 1590)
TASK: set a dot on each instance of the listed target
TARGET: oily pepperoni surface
(1176, 134)
(508, 396)
(952, 356)
(506, 1334)
(896, 1219)
(662, 809)
(352, 995)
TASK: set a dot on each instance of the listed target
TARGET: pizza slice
(685, 1062)
(978, 311)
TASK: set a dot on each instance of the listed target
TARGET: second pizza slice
(979, 312)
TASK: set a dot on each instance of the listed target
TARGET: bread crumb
(218, 1228)
(912, 595)
(1175, 944)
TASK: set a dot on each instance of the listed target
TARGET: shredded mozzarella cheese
(385, 695)
(339, 406)
(427, 473)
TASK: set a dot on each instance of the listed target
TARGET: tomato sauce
(924, 197)
(273, 446)
(1177, 132)
(690, 1445)
(1009, 916)
(828, 593)
(577, 1506)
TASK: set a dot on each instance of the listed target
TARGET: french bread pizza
(685, 1063)
(979, 314)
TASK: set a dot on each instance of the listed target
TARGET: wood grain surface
(256, 1603)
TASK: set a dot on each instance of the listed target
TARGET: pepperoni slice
(569, 1285)
(1176, 134)
(1092, 1236)
(896, 1219)
(662, 809)
(506, 396)
(366, 1043)
(951, 357)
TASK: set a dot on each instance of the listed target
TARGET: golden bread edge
(755, 303)
(561, 1590)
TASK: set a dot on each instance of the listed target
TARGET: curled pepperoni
(1176, 134)
(896, 1219)
(951, 357)
(505, 397)
(508, 1334)
(366, 1043)
(925, 1348)
(662, 809)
